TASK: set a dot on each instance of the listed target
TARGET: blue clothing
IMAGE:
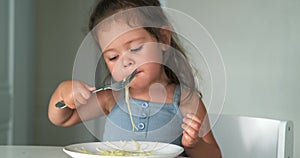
(158, 122)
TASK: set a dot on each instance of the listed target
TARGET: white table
(33, 152)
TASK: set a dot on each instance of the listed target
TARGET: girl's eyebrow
(108, 50)
(125, 44)
(133, 40)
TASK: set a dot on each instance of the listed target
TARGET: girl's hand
(191, 126)
(75, 93)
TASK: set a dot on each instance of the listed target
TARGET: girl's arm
(203, 149)
(195, 120)
(196, 146)
(81, 104)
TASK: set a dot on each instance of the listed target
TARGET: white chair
(251, 137)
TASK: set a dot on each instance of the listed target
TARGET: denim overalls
(156, 122)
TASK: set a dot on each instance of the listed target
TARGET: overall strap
(177, 95)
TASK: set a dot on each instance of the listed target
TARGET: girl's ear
(166, 36)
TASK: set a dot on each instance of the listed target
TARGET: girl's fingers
(79, 86)
(190, 131)
(187, 140)
(193, 117)
(193, 124)
(71, 106)
(76, 94)
(77, 103)
(83, 92)
(81, 100)
(90, 88)
(80, 97)
(86, 94)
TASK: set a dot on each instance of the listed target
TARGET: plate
(95, 149)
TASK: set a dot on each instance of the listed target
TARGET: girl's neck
(156, 92)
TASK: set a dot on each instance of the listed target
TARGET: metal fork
(114, 86)
(117, 85)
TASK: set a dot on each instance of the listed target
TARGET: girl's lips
(139, 71)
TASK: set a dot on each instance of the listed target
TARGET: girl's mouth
(138, 71)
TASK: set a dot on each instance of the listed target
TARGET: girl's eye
(112, 58)
(136, 49)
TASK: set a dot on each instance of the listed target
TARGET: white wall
(259, 42)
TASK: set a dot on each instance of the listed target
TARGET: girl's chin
(138, 84)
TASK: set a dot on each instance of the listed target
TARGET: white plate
(159, 150)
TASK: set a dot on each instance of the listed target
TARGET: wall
(5, 66)
(23, 73)
(259, 42)
(61, 27)
(16, 71)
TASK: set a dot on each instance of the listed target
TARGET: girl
(164, 103)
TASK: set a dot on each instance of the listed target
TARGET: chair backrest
(251, 137)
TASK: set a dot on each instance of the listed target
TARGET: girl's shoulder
(190, 101)
(187, 93)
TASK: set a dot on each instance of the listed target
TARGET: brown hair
(152, 12)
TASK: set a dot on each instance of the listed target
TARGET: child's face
(133, 49)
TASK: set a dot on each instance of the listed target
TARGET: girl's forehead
(106, 34)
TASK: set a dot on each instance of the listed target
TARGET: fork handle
(60, 105)
(101, 89)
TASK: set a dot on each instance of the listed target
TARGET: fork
(117, 85)
(114, 86)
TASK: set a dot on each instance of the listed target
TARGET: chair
(251, 137)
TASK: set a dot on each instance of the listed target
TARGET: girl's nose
(127, 61)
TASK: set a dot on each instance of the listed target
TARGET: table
(33, 152)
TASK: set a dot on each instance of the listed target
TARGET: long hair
(151, 12)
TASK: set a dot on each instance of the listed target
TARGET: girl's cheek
(118, 72)
(150, 57)
(113, 69)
